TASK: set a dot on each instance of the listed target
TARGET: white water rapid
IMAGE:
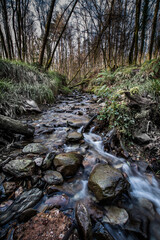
(140, 185)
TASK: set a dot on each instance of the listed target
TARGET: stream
(131, 215)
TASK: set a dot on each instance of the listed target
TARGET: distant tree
(144, 24)
(154, 24)
(47, 28)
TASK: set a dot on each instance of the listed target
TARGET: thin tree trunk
(144, 23)
(138, 7)
(50, 60)
(3, 43)
(7, 32)
(154, 24)
(47, 28)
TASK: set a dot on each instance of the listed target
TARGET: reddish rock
(48, 226)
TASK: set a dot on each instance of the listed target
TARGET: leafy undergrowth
(142, 81)
(20, 81)
(132, 106)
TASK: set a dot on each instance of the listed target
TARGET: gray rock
(101, 233)
(34, 148)
(26, 200)
(106, 182)
(53, 177)
(38, 161)
(9, 187)
(47, 162)
(115, 215)
(68, 163)
(20, 167)
(74, 137)
(84, 221)
(142, 138)
(27, 214)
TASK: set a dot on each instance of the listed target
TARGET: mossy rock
(68, 163)
(106, 182)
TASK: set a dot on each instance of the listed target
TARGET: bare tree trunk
(60, 36)
(154, 24)
(144, 23)
(7, 31)
(47, 28)
(138, 7)
(3, 43)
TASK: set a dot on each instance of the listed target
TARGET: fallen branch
(11, 125)
(89, 123)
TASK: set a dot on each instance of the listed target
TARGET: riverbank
(23, 86)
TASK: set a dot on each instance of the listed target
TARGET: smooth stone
(74, 137)
(31, 105)
(115, 215)
(76, 123)
(38, 161)
(106, 182)
(142, 138)
(27, 214)
(35, 148)
(9, 187)
(47, 162)
(26, 200)
(57, 200)
(84, 221)
(20, 167)
(53, 177)
(68, 163)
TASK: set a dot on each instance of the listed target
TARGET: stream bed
(61, 184)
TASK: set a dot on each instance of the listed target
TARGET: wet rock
(57, 200)
(53, 177)
(100, 233)
(27, 214)
(26, 200)
(9, 187)
(48, 161)
(4, 205)
(142, 138)
(84, 221)
(38, 161)
(155, 229)
(18, 191)
(77, 122)
(2, 177)
(34, 148)
(49, 226)
(115, 215)
(20, 167)
(68, 163)
(74, 137)
(31, 105)
(106, 182)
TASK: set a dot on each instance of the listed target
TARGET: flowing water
(72, 114)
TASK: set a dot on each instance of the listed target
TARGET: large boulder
(106, 182)
(20, 167)
(68, 163)
(52, 226)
